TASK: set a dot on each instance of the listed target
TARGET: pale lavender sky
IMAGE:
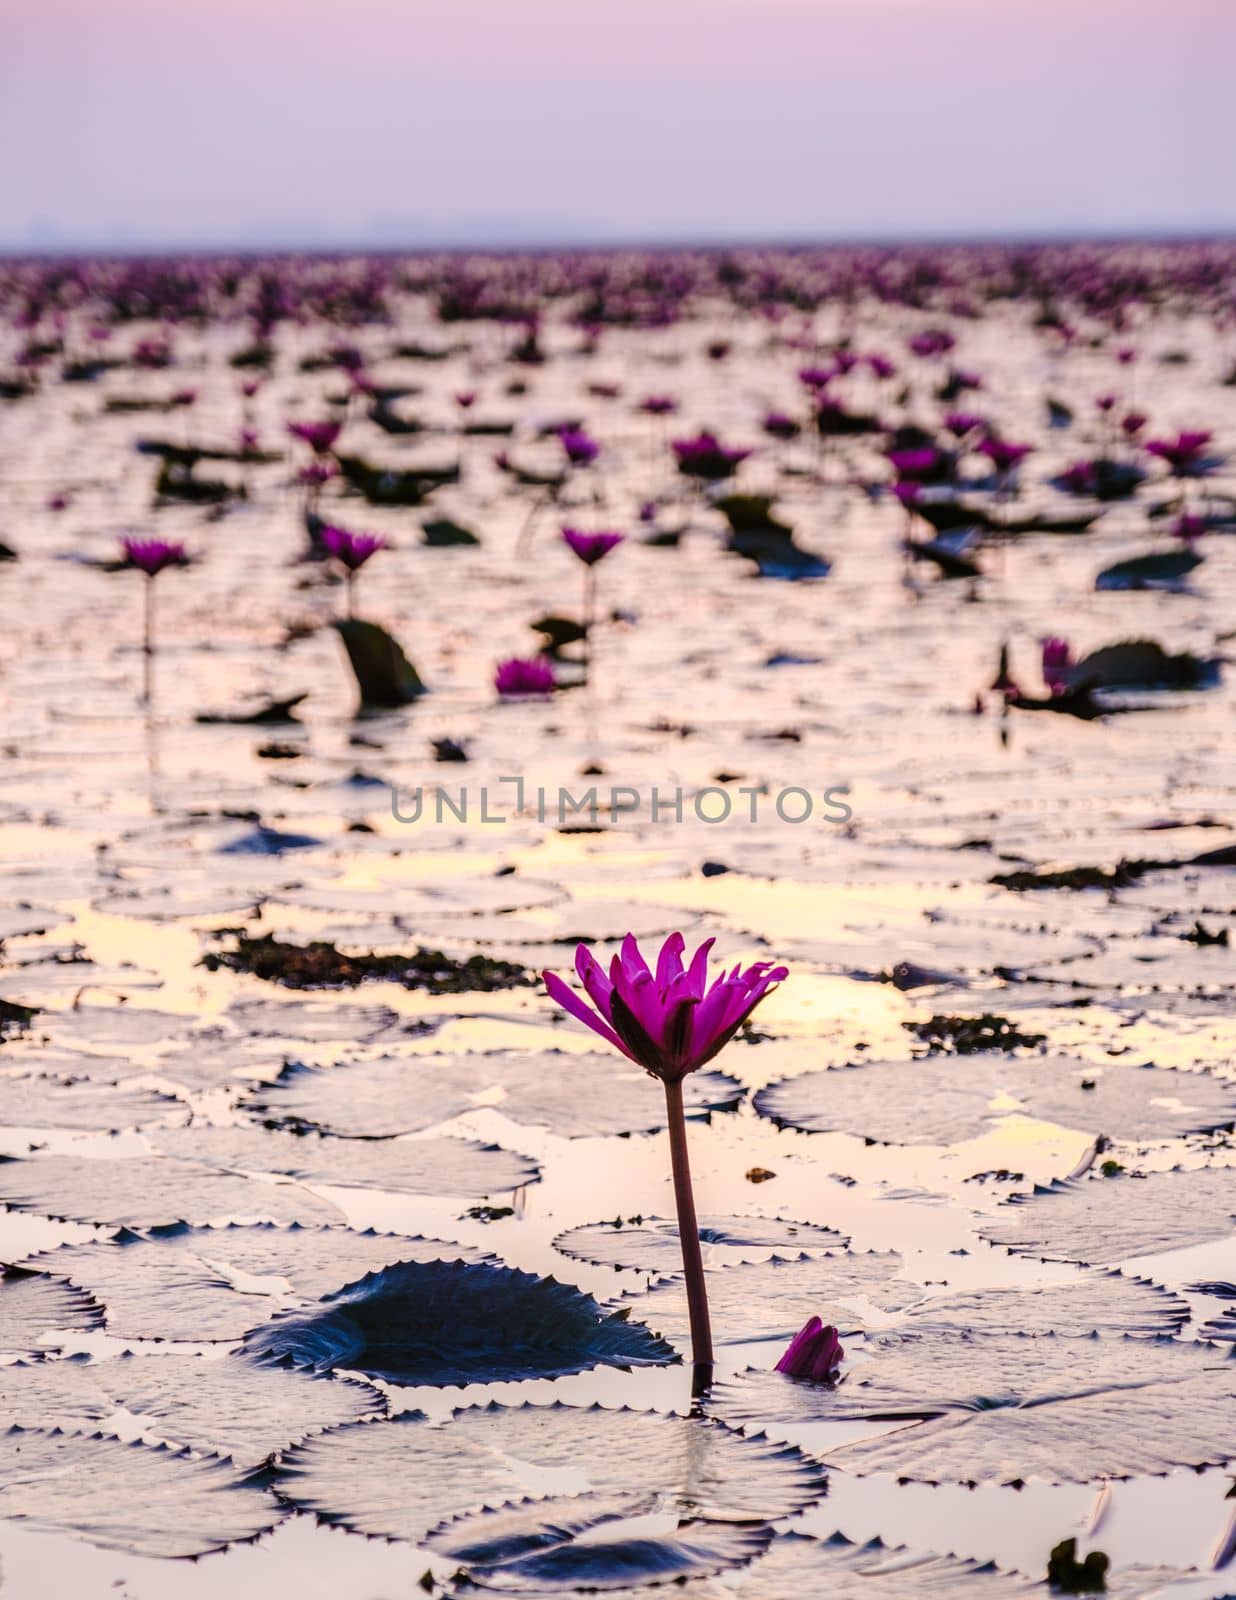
(404, 121)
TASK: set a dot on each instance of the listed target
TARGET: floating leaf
(32, 1307)
(840, 1570)
(653, 1243)
(399, 1479)
(227, 1407)
(924, 1375)
(312, 1021)
(59, 1103)
(1102, 1220)
(143, 1500)
(147, 1192)
(399, 1166)
(1116, 1433)
(399, 1094)
(563, 1544)
(455, 1322)
(774, 1299)
(945, 1099)
(202, 1284)
(111, 1027)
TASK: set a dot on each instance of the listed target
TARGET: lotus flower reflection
(671, 1021)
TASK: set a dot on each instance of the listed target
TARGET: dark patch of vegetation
(965, 1036)
(319, 965)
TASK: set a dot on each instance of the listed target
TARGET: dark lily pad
(941, 1101)
(1104, 1220)
(1157, 569)
(32, 1307)
(143, 1500)
(63, 1103)
(841, 1570)
(147, 1192)
(399, 1479)
(438, 1322)
(319, 965)
(400, 1166)
(229, 1407)
(397, 1094)
(544, 1546)
(652, 1244)
(204, 1284)
(384, 675)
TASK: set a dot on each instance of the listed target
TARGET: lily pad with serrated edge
(150, 1191)
(399, 1479)
(437, 1323)
(31, 1307)
(229, 1407)
(201, 1285)
(652, 1244)
(88, 1106)
(399, 1166)
(574, 1094)
(145, 1500)
(775, 1298)
(1103, 1220)
(797, 1564)
(562, 1545)
(925, 1375)
(1114, 1433)
(944, 1099)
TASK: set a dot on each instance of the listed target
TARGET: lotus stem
(689, 1236)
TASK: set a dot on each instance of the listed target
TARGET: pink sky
(342, 120)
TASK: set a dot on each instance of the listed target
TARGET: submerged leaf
(456, 1322)
(841, 1570)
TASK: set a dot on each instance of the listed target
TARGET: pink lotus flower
(1183, 454)
(591, 547)
(1003, 455)
(814, 1352)
(152, 556)
(658, 405)
(1057, 659)
(1132, 423)
(580, 447)
(671, 1021)
(351, 550)
(881, 367)
(524, 676)
(466, 399)
(319, 436)
(914, 464)
(705, 456)
(779, 425)
(960, 423)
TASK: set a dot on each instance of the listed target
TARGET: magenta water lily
(670, 1020)
(150, 557)
(521, 676)
(815, 1353)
